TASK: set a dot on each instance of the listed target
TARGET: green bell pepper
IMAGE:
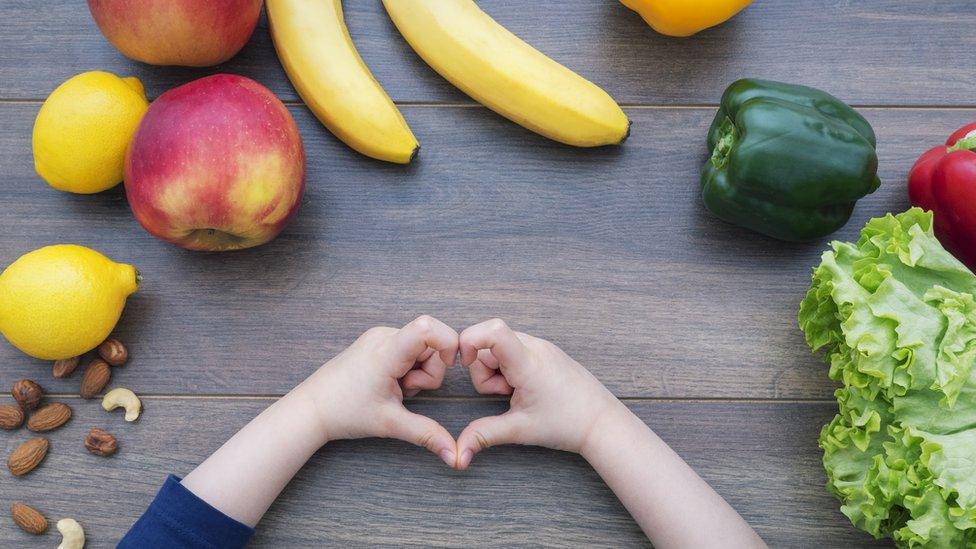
(787, 161)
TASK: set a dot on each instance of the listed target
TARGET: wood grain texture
(762, 457)
(609, 253)
(882, 52)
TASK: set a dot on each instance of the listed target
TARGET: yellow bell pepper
(685, 17)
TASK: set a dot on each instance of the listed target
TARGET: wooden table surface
(608, 253)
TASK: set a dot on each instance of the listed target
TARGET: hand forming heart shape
(555, 401)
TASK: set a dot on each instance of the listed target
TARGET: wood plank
(609, 253)
(887, 52)
(762, 457)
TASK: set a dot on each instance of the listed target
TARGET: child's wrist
(306, 411)
(610, 421)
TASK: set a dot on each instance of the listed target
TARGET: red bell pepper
(944, 181)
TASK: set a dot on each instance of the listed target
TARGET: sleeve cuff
(179, 518)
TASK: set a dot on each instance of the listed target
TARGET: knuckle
(375, 332)
(426, 440)
(423, 323)
(483, 442)
(539, 345)
(497, 325)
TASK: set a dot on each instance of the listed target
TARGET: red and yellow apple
(216, 164)
(192, 33)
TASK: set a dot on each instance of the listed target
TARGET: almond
(26, 457)
(113, 351)
(11, 417)
(96, 377)
(49, 417)
(27, 393)
(29, 519)
(65, 367)
(101, 443)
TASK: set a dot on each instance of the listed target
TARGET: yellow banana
(322, 63)
(499, 70)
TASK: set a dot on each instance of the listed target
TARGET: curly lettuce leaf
(895, 315)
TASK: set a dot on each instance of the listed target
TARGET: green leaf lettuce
(896, 316)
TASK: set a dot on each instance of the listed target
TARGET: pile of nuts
(44, 418)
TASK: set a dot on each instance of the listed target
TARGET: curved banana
(322, 63)
(496, 68)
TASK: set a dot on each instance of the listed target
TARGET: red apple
(193, 33)
(216, 164)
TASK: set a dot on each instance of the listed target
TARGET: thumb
(427, 433)
(486, 432)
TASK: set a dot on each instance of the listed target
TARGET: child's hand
(359, 393)
(555, 401)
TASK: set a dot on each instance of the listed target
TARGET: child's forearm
(244, 476)
(357, 394)
(670, 502)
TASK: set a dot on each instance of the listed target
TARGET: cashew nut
(122, 397)
(72, 535)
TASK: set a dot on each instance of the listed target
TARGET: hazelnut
(101, 443)
(113, 351)
(27, 393)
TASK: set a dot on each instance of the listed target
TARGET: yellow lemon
(61, 301)
(83, 130)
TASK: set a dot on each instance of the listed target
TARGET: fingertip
(468, 355)
(449, 457)
(469, 443)
(419, 380)
(424, 356)
(449, 357)
(492, 384)
(464, 459)
(488, 359)
(446, 448)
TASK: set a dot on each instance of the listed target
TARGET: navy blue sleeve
(178, 518)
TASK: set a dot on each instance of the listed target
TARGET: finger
(503, 343)
(486, 432)
(511, 354)
(413, 340)
(411, 387)
(487, 380)
(495, 385)
(426, 433)
(488, 359)
(426, 354)
(428, 376)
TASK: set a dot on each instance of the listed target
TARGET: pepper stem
(728, 135)
(967, 143)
